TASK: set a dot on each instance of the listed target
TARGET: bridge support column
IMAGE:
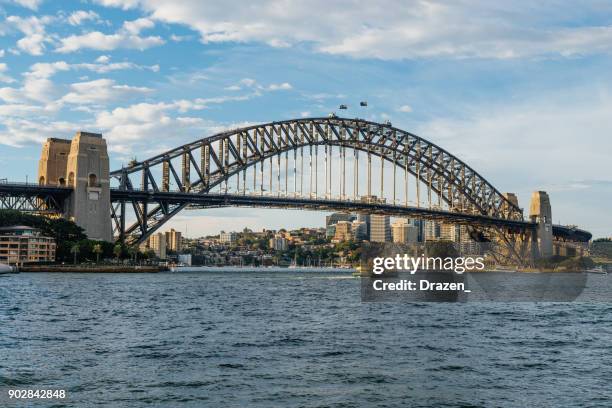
(540, 212)
(88, 174)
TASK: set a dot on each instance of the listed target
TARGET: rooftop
(16, 228)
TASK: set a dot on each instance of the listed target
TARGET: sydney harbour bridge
(322, 164)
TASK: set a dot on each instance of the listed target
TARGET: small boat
(598, 269)
(6, 269)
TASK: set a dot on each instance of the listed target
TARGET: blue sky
(520, 91)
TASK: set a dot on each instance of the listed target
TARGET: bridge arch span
(209, 162)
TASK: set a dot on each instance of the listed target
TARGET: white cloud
(1, 53)
(11, 95)
(19, 109)
(130, 128)
(248, 82)
(80, 16)
(3, 76)
(100, 91)
(253, 84)
(46, 69)
(136, 26)
(107, 66)
(285, 86)
(405, 108)
(31, 4)
(180, 38)
(128, 36)
(124, 4)
(38, 86)
(35, 36)
(18, 132)
(393, 29)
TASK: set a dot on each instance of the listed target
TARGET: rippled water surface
(291, 340)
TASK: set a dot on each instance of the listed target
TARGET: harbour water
(292, 339)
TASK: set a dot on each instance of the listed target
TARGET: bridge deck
(221, 200)
(33, 189)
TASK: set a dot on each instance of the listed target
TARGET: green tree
(579, 263)
(133, 252)
(441, 249)
(117, 250)
(97, 249)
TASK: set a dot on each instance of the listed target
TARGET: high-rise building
(380, 228)
(420, 226)
(450, 232)
(344, 231)
(330, 231)
(403, 232)
(458, 234)
(365, 219)
(360, 230)
(466, 244)
(157, 243)
(432, 230)
(174, 240)
(228, 237)
(279, 243)
(333, 219)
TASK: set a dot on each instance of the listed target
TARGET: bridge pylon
(542, 237)
(83, 165)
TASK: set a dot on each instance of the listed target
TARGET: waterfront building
(174, 240)
(380, 228)
(185, 259)
(20, 244)
(228, 237)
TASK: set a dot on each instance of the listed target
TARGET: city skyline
(526, 114)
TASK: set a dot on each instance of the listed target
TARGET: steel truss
(33, 198)
(212, 161)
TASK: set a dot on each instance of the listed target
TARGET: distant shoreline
(93, 269)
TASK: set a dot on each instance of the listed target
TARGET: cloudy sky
(520, 90)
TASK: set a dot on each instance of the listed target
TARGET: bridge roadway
(210, 200)
(269, 201)
(31, 189)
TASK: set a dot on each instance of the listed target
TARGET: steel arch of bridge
(226, 154)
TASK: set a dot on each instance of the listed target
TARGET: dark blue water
(291, 340)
